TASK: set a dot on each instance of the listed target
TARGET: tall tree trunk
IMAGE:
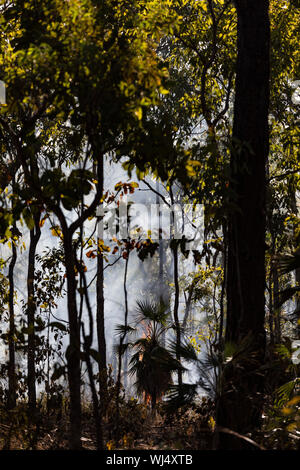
(73, 351)
(239, 405)
(87, 342)
(35, 234)
(11, 402)
(100, 320)
(121, 343)
(176, 316)
(162, 286)
(174, 249)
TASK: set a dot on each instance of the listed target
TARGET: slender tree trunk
(161, 288)
(73, 351)
(96, 408)
(240, 405)
(87, 344)
(121, 343)
(100, 320)
(101, 329)
(174, 250)
(176, 316)
(47, 387)
(11, 402)
(35, 234)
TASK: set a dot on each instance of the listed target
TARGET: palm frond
(185, 350)
(210, 361)
(153, 365)
(285, 295)
(122, 330)
(165, 360)
(288, 263)
(180, 396)
(154, 311)
(285, 392)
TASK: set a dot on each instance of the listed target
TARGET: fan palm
(152, 363)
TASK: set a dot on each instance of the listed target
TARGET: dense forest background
(137, 340)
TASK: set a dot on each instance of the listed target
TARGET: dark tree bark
(101, 328)
(11, 402)
(73, 352)
(87, 342)
(35, 234)
(162, 286)
(176, 316)
(174, 249)
(121, 345)
(239, 405)
(100, 320)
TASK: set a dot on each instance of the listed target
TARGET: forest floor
(140, 429)
(51, 433)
